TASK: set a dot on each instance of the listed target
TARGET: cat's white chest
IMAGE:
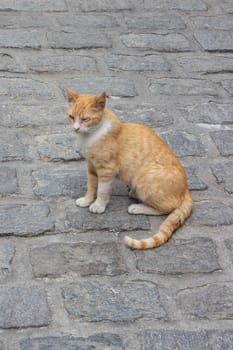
(87, 140)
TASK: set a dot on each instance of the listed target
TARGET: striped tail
(174, 220)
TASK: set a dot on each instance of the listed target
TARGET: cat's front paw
(82, 202)
(97, 208)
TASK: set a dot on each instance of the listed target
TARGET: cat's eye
(71, 117)
(85, 119)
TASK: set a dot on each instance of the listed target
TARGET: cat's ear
(101, 100)
(72, 95)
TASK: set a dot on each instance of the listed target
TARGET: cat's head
(85, 111)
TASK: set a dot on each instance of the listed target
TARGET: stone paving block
(183, 144)
(184, 5)
(146, 114)
(46, 62)
(224, 141)
(211, 213)
(23, 307)
(138, 63)
(115, 218)
(229, 246)
(8, 180)
(26, 87)
(88, 21)
(194, 182)
(180, 256)
(94, 342)
(33, 5)
(228, 86)
(206, 64)
(62, 40)
(58, 147)
(114, 301)
(209, 113)
(226, 6)
(114, 86)
(223, 174)
(7, 62)
(13, 150)
(211, 301)
(106, 5)
(23, 115)
(1, 345)
(153, 23)
(7, 253)
(215, 40)
(166, 43)
(22, 219)
(223, 22)
(29, 20)
(184, 87)
(85, 259)
(20, 38)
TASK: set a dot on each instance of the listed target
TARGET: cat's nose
(77, 126)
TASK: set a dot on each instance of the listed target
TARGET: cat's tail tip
(136, 244)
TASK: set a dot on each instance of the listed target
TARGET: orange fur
(134, 154)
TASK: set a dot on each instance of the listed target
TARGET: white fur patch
(87, 140)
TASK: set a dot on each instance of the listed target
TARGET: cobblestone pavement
(66, 279)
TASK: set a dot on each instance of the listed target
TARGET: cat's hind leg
(143, 209)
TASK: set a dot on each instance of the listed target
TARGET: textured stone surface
(13, 150)
(93, 21)
(8, 180)
(22, 219)
(229, 246)
(223, 174)
(156, 23)
(215, 40)
(29, 5)
(184, 5)
(223, 141)
(181, 256)
(211, 213)
(228, 86)
(213, 22)
(59, 259)
(96, 342)
(20, 39)
(212, 301)
(215, 64)
(23, 307)
(167, 43)
(114, 218)
(131, 301)
(58, 40)
(106, 5)
(7, 253)
(194, 182)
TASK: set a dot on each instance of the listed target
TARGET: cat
(134, 154)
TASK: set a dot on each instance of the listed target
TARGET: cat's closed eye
(71, 117)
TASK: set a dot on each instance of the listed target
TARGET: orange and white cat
(134, 154)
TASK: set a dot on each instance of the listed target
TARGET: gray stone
(114, 86)
(13, 150)
(33, 116)
(33, 5)
(211, 301)
(20, 38)
(138, 63)
(45, 62)
(193, 180)
(7, 62)
(58, 147)
(180, 256)
(209, 113)
(211, 213)
(115, 218)
(213, 22)
(114, 301)
(8, 180)
(83, 258)
(226, 6)
(206, 64)
(146, 114)
(7, 253)
(185, 87)
(156, 23)
(166, 43)
(88, 21)
(183, 144)
(229, 246)
(29, 20)
(224, 141)
(106, 5)
(94, 342)
(228, 86)
(223, 174)
(22, 219)
(25, 87)
(215, 40)
(175, 339)
(62, 40)
(23, 307)
(184, 5)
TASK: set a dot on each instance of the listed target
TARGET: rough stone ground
(66, 279)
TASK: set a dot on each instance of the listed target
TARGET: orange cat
(134, 154)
